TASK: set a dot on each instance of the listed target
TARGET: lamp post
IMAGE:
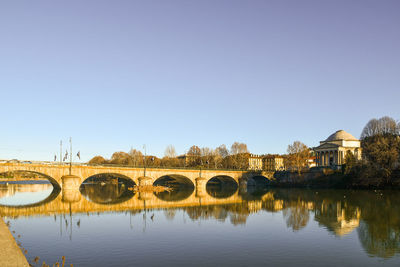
(144, 161)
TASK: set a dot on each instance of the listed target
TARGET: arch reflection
(221, 187)
(26, 193)
(182, 187)
(107, 188)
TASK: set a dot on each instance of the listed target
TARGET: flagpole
(70, 156)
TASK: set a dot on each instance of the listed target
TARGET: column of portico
(322, 158)
(334, 157)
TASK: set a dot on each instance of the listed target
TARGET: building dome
(341, 135)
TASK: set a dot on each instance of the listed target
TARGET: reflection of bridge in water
(64, 204)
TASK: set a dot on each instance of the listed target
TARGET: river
(108, 225)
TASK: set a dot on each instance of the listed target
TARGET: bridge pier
(70, 188)
(145, 181)
(201, 187)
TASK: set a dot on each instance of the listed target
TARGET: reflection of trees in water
(170, 214)
(296, 216)
(221, 187)
(107, 189)
(207, 212)
(379, 230)
(384, 242)
(375, 215)
(237, 213)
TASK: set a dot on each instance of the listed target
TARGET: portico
(332, 151)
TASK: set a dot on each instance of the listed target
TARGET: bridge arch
(53, 181)
(182, 187)
(107, 188)
(221, 186)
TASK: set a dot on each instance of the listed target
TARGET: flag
(66, 155)
(79, 155)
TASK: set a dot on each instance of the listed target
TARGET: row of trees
(221, 157)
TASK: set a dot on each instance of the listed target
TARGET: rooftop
(341, 135)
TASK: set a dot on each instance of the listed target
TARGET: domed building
(332, 151)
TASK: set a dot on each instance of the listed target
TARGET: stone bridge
(59, 175)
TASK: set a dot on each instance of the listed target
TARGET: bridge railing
(202, 168)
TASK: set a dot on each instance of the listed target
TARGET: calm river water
(108, 225)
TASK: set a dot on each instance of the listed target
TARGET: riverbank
(10, 254)
(334, 179)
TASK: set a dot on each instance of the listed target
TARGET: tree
(121, 158)
(298, 154)
(207, 155)
(170, 152)
(97, 160)
(382, 152)
(380, 144)
(136, 156)
(383, 126)
(350, 161)
(239, 155)
(194, 156)
(222, 151)
(238, 148)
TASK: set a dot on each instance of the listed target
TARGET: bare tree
(222, 150)
(298, 156)
(207, 155)
(382, 126)
(136, 156)
(170, 152)
(240, 155)
(239, 148)
(194, 156)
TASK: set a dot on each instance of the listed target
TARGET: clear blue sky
(120, 74)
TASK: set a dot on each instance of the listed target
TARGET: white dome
(341, 135)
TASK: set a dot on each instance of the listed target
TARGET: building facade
(274, 163)
(255, 162)
(332, 151)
